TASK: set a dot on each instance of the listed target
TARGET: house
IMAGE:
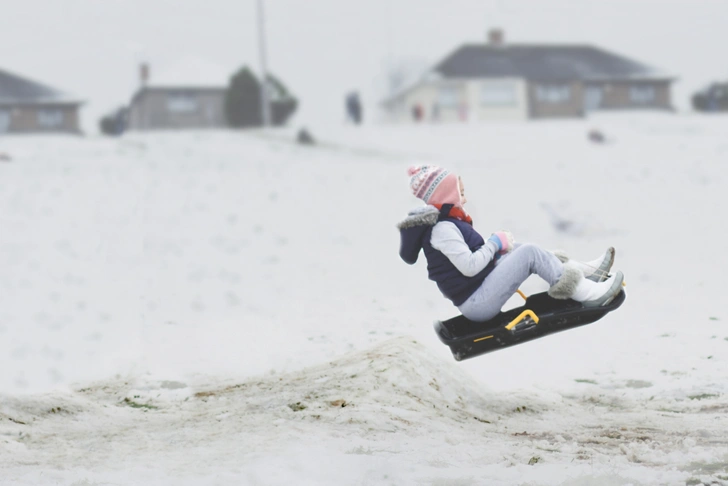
(30, 107)
(496, 80)
(168, 107)
(189, 95)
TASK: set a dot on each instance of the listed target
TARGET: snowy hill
(393, 414)
(220, 277)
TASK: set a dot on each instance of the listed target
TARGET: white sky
(325, 48)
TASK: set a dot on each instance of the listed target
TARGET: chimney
(144, 73)
(495, 37)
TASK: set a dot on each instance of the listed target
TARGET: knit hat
(434, 185)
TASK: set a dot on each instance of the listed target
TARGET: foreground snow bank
(393, 414)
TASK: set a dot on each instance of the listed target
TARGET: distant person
(479, 275)
(417, 112)
(353, 108)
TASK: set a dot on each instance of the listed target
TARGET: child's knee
(529, 249)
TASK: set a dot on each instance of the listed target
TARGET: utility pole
(264, 104)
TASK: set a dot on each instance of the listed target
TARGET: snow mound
(350, 407)
(398, 385)
(395, 413)
(399, 382)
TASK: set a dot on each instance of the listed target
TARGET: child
(480, 275)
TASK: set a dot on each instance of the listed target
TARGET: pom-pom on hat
(434, 185)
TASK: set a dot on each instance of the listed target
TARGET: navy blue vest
(453, 284)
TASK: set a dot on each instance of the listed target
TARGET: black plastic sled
(540, 316)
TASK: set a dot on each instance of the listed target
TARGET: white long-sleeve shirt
(447, 238)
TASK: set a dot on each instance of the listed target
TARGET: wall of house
(27, 118)
(572, 106)
(483, 109)
(464, 103)
(154, 109)
(617, 95)
(533, 99)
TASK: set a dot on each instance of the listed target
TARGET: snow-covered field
(230, 308)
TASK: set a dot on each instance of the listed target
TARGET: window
(553, 93)
(4, 120)
(498, 94)
(50, 118)
(181, 103)
(642, 94)
(449, 97)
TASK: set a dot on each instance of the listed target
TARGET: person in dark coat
(353, 108)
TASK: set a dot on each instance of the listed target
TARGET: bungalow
(189, 95)
(523, 81)
(30, 107)
(177, 107)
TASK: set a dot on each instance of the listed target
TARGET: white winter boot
(573, 285)
(595, 270)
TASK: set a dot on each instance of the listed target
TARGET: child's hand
(504, 240)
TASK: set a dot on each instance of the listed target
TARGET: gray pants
(509, 273)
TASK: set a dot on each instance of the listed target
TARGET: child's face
(463, 199)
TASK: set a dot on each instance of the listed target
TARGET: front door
(4, 120)
(592, 98)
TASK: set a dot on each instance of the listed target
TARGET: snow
(195, 308)
(394, 414)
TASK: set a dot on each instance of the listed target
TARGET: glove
(503, 240)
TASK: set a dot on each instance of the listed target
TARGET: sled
(540, 316)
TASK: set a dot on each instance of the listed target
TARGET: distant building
(522, 81)
(160, 107)
(191, 97)
(30, 107)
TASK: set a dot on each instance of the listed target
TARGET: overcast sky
(325, 48)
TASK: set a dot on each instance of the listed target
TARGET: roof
(18, 90)
(190, 72)
(543, 63)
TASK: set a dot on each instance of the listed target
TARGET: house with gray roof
(496, 80)
(30, 107)
(177, 107)
(187, 94)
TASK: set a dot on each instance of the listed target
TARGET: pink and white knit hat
(434, 185)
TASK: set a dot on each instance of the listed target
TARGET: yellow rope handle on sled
(513, 323)
(521, 316)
